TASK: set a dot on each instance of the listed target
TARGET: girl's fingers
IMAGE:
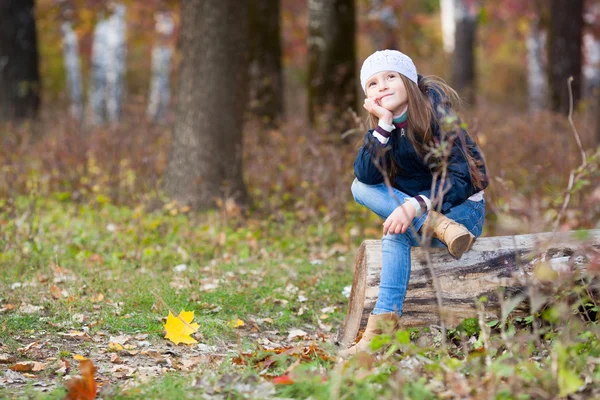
(386, 225)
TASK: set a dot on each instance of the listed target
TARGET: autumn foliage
(85, 387)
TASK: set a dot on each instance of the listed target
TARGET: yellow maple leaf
(236, 323)
(181, 327)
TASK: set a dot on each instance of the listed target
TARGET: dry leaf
(79, 357)
(115, 359)
(7, 307)
(56, 292)
(7, 358)
(295, 333)
(29, 308)
(115, 346)
(97, 299)
(83, 388)
(24, 366)
(178, 329)
(26, 348)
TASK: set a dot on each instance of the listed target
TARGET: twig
(573, 172)
(577, 138)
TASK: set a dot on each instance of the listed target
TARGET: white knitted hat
(387, 60)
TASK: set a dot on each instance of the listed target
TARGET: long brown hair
(420, 117)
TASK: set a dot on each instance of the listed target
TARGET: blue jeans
(395, 248)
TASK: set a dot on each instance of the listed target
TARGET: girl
(411, 113)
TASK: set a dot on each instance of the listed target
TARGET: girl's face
(387, 89)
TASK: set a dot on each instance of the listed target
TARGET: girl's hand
(400, 219)
(377, 110)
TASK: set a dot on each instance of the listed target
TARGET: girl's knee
(360, 190)
(357, 190)
(400, 238)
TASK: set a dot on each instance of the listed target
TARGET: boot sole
(461, 245)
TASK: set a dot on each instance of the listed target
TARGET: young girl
(411, 113)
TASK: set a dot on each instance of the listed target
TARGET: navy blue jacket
(415, 175)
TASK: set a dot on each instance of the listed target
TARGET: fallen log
(492, 263)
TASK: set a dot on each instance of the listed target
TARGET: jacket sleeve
(372, 158)
(458, 183)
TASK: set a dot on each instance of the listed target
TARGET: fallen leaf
(79, 357)
(235, 323)
(83, 388)
(38, 366)
(24, 366)
(295, 333)
(178, 329)
(283, 380)
(97, 298)
(121, 339)
(7, 358)
(115, 346)
(7, 307)
(26, 348)
(56, 292)
(115, 359)
(29, 308)
(76, 335)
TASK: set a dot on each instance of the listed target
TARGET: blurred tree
(108, 66)
(266, 82)
(383, 24)
(463, 64)
(205, 161)
(159, 98)
(564, 52)
(73, 70)
(19, 69)
(331, 62)
(536, 66)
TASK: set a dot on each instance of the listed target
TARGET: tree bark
(266, 82)
(73, 70)
(564, 52)
(463, 64)
(536, 67)
(19, 69)
(205, 160)
(493, 263)
(331, 63)
(159, 98)
(448, 24)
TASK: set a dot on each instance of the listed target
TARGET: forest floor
(97, 282)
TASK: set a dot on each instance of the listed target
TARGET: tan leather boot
(454, 235)
(377, 325)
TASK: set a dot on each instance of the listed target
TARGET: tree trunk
(448, 24)
(205, 161)
(493, 263)
(162, 54)
(331, 63)
(564, 52)
(598, 120)
(463, 65)
(266, 82)
(19, 70)
(108, 67)
(383, 25)
(73, 70)
(591, 65)
(536, 67)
